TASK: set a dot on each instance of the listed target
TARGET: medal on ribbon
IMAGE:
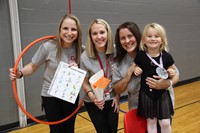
(160, 70)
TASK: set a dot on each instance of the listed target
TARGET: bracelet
(89, 91)
(170, 86)
(21, 74)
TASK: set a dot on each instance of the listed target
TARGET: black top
(149, 69)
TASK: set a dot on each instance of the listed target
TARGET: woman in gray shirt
(127, 40)
(99, 55)
(65, 47)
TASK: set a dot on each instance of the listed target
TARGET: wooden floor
(185, 120)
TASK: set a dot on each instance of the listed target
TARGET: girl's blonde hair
(161, 31)
(77, 42)
(90, 47)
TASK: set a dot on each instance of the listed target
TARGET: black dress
(153, 103)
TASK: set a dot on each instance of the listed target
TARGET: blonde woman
(67, 48)
(99, 55)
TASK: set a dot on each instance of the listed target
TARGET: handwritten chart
(67, 82)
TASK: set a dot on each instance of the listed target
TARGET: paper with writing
(67, 82)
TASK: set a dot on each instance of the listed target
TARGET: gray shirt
(119, 72)
(46, 54)
(92, 66)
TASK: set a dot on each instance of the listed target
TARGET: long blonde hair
(77, 42)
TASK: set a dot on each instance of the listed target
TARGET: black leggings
(104, 121)
(57, 109)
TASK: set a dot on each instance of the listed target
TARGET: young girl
(154, 59)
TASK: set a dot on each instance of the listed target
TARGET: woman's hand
(115, 103)
(157, 82)
(99, 103)
(12, 75)
(73, 64)
(25, 71)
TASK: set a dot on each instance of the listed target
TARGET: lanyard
(160, 70)
(101, 65)
(155, 62)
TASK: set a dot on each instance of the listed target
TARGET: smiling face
(68, 32)
(152, 39)
(99, 36)
(128, 40)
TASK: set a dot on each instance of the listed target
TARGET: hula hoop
(15, 88)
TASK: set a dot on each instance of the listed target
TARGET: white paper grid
(67, 82)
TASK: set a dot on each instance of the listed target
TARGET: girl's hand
(115, 103)
(171, 72)
(99, 103)
(137, 71)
